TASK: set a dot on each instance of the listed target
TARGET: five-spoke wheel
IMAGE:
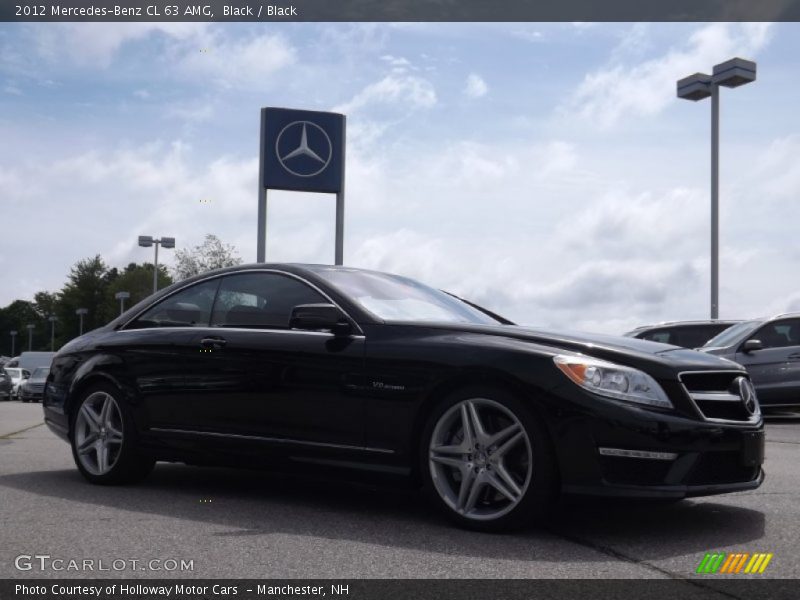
(98, 433)
(487, 460)
(104, 438)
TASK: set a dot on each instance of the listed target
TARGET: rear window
(693, 336)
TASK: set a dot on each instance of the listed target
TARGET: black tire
(537, 497)
(25, 400)
(129, 465)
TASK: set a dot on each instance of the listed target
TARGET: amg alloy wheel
(98, 433)
(104, 439)
(482, 453)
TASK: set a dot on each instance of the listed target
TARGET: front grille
(634, 471)
(721, 467)
(716, 396)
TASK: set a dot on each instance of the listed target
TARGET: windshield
(40, 373)
(395, 298)
(731, 335)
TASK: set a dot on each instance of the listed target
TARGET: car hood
(630, 351)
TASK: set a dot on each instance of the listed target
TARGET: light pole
(145, 241)
(13, 341)
(52, 319)
(731, 73)
(122, 296)
(81, 312)
(30, 328)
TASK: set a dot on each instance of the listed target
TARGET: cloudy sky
(544, 170)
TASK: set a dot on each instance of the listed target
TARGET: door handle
(213, 342)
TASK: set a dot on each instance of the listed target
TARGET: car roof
(686, 324)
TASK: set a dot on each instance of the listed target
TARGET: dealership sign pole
(302, 151)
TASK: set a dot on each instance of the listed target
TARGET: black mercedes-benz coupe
(343, 369)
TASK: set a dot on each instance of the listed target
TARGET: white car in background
(18, 377)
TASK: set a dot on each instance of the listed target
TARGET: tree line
(92, 284)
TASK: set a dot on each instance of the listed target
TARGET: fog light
(638, 454)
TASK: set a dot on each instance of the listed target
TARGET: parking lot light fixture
(30, 327)
(52, 319)
(81, 312)
(122, 296)
(145, 241)
(731, 73)
(13, 340)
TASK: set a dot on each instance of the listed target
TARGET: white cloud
(407, 91)
(239, 62)
(620, 90)
(12, 89)
(475, 86)
(96, 44)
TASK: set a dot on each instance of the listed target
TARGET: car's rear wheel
(104, 442)
(487, 460)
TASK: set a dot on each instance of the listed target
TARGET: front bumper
(33, 396)
(695, 457)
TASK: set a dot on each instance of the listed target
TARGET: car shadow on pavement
(252, 503)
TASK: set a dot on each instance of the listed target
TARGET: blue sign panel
(302, 150)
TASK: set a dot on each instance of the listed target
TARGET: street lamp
(145, 241)
(52, 319)
(81, 312)
(13, 341)
(30, 329)
(122, 296)
(731, 73)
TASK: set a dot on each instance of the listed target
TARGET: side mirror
(751, 345)
(25, 375)
(316, 317)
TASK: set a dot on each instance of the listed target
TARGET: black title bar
(400, 10)
(705, 588)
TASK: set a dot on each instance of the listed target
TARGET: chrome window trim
(262, 438)
(316, 288)
(753, 419)
(247, 329)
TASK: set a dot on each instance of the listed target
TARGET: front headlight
(612, 380)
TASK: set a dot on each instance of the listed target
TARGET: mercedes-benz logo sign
(747, 394)
(303, 148)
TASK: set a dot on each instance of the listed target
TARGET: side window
(694, 337)
(188, 308)
(658, 336)
(260, 300)
(779, 334)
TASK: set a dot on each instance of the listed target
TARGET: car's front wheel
(104, 439)
(487, 460)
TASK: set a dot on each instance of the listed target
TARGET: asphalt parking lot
(245, 524)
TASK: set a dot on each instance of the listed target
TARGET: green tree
(211, 254)
(87, 287)
(15, 317)
(137, 280)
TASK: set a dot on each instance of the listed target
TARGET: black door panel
(277, 384)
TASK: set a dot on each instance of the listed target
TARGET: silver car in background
(769, 349)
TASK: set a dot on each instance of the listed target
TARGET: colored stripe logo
(734, 562)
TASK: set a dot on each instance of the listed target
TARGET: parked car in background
(31, 360)
(770, 351)
(33, 387)
(688, 334)
(6, 385)
(18, 377)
